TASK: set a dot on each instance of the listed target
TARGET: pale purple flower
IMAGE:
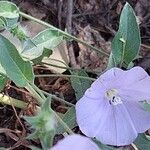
(75, 142)
(110, 110)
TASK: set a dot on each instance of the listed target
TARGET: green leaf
(18, 70)
(69, 118)
(48, 39)
(35, 148)
(44, 125)
(46, 53)
(2, 71)
(3, 81)
(10, 12)
(146, 106)
(111, 62)
(19, 32)
(2, 148)
(80, 85)
(104, 147)
(126, 43)
(3, 23)
(142, 142)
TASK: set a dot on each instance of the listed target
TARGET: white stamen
(112, 96)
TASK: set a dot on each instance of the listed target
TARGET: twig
(60, 4)
(69, 30)
(145, 46)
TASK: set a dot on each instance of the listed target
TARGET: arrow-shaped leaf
(126, 43)
(10, 12)
(16, 68)
(48, 39)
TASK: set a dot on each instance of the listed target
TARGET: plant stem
(34, 93)
(38, 91)
(69, 68)
(41, 101)
(58, 99)
(12, 101)
(62, 123)
(62, 32)
(64, 75)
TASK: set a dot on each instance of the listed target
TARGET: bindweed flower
(110, 110)
(75, 142)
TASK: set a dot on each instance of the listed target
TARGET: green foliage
(16, 68)
(125, 48)
(48, 39)
(103, 147)
(1, 148)
(44, 125)
(19, 32)
(10, 12)
(69, 118)
(46, 53)
(3, 22)
(80, 85)
(142, 142)
(3, 80)
(146, 106)
(126, 43)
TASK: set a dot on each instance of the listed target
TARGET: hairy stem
(58, 99)
(62, 32)
(69, 68)
(34, 94)
(62, 123)
(64, 75)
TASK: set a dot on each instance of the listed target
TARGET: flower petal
(117, 128)
(89, 113)
(104, 83)
(110, 77)
(140, 118)
(138, 91)
(110, 124)
(136, 86)
(134, 75)
(75, 142)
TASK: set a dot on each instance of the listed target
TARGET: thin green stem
(34, 93)
(58, 99)
(62, 32)
(41, 101)
(64, 75)
(39, 91)
(13, 102)
(69, 68)
(63, 123)
(58, 118)
(57, 61)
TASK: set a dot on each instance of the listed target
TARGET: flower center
(112, 96)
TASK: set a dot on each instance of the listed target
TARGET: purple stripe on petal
(75, 142)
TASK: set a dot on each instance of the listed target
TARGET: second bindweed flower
(110, 109)
(75, 142)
